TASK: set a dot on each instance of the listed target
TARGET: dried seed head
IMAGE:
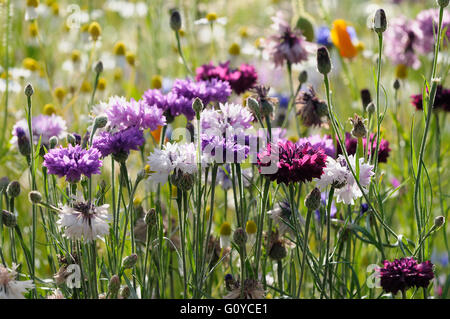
(240, 237)
(277, 250)
(151, 217)
(114, 285)
(359, 128)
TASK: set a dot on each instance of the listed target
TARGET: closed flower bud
(277, 251)
(359, 129)
(396, 84)
(175, 20)
(29, 90)
(442, 3)
(24, 145)
(114, 285)
(129, 261)
(13, 189)
(303, 77)
(380, 22)
(35, 197)
(71, 139)
(439, 221)
(8, 219)
(151, 217)
(125, 292)
(371, 108)
(365, 98)
(313, 199)
(266, 108)
(323, 61)
(120, 157)
(99, 67)
(240, 237)
(197, 105)
(253, 105)
(100, 121)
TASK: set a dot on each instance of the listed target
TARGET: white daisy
(84, 221)
(10, 288)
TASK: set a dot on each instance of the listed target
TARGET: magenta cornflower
(241, 79)
(296, 163)
(316, 141)
(119, 143)
(351, 144)
(404, 273)
(72, 162)
(441, 100)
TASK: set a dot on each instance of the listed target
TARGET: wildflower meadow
(260, 149)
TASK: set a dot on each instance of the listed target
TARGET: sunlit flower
(341, 38)
(43, 127)
(83, 220)
(10, 287)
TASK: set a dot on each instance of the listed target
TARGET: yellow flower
(86, 87)
(95, 30)
(250, 227)
(156, 82)
(147, 169)
(341, 39)
(76, 55)
(60, 93)
(244, 98)
(181, 32)
(360, 46)
(234, 49)
(30, 64)
(258, 42)
(33, 29)
(119, 48)
(33, 3)
(137, 201)
(84, 28)
(55, 8)
(131, 58)
(117, 74)
(212, 16)
(49, 109)
(243, 32)
(401, 71)
(225, 229)
(101, 84)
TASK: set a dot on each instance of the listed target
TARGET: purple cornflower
(119, 143)
(426, 27)
(224, 150)
(316, 141)
(296, 163)
(123, 114)
(441, 100)
(404, 273)
(72, 162)
(287, 45)
(43, 126)
(241, 79)
(400, 43)
(323, 201)
(208, 91)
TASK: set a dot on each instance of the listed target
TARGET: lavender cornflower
(72, 162)
(400, 43)
(425, 27)
(123, 114)
(287, 45)
(43, 127)
(120, 143)
(213, 90)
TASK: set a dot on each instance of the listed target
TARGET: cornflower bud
(323, 61)
(313, 199)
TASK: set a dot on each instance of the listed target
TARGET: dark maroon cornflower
(119, 143)
(351, 144)
(241, 79)
(441, 101)
(72, 162)
(404, 273)
(296, 163)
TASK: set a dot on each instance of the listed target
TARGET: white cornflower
(337, 174)
(84, 221)
(172, 158)
(10, 288)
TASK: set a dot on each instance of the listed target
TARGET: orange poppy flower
(341, 39)
(157, 134)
